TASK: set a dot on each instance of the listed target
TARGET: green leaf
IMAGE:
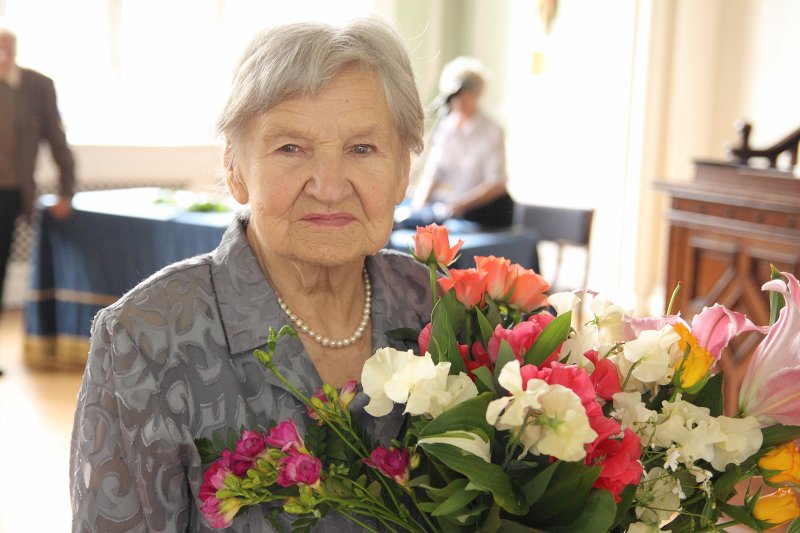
(465, 416)
(484, 380)
(485, 327)
(778, 434)
(505, 355)
(596, 514)
(438, 495)
(776, 301)
(492, 522)
(565, 495)
(483, 476)
(711, 395)
(447, 314)
(794, 527)
(535, 488)
(626, 499)
(549, 339)
(514, 527)
(738, 513)
(456, 503)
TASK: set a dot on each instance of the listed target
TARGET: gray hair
(294, 59)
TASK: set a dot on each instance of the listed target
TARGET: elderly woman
(319, 125)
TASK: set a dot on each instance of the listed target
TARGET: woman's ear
(233, 178)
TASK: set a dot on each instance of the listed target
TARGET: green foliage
(710, 396)
(776, 301)
(551, 338)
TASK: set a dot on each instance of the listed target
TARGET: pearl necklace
(325, 341)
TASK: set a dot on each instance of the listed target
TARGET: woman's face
(322, 175)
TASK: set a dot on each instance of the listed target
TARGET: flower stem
(432, 272)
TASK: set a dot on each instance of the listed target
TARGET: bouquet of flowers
(516, 419)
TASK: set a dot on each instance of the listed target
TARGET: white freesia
(377, 371)
(632, 413)
(403, 382)
(434, 396)
(563, 426)
(511, 411)
(465, 440)
(609, 317)
(742, 438)
(642, 527)
(557, 423)
(648, 358)
(657, 497)
(577, 344)
(690, 429)
(563, 302)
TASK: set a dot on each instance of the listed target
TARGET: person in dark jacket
(28, 115)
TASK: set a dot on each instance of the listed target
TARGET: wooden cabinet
(726, 227)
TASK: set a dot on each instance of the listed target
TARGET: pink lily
(770, 390)
(713, 327)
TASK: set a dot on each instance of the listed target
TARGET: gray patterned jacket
(172, 361)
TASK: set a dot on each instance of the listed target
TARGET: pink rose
(522, 337)
(297, 468)
(285, 437)
(392, 463)
(247, 449)
(424, 339)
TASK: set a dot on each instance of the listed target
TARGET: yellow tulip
(778, 507)
(693, 367)
(786, 460)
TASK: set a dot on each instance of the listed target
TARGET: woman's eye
(289, 149)
(363, 149)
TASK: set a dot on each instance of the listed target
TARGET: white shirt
(462, 158)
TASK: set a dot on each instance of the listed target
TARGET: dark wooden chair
(562, 226)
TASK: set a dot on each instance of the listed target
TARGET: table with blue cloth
(117, 238)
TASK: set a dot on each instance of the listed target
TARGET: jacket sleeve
(125, 471)
(53, 133)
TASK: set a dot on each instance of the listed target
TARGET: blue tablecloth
(115, 239)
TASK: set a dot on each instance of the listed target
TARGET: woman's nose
(328, 182)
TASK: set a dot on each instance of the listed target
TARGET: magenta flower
(298, 468)
(214, 476)
(286, 437)
(770, 390)
(220, 513)
(392, 463)
(248, 447)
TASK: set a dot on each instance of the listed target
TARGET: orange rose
(470, 286)
(432, 243)
(499, 277)
(529, 292)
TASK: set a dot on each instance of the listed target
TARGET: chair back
(558, 224)
(565, 227)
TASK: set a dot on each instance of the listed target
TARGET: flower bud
(785, 460)
(692, 370)
(348, 393)
(778, 507)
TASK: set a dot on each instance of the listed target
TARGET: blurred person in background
(28, 115)
(464, 174)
